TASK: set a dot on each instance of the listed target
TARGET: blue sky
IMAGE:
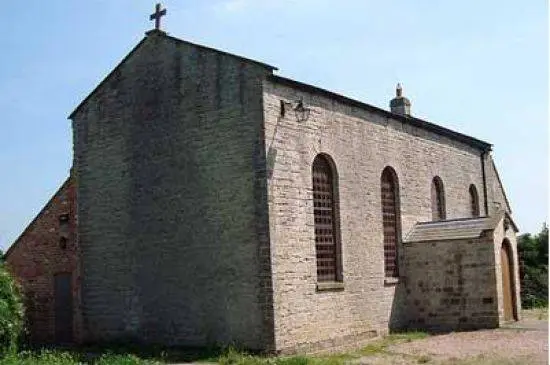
(478, 67)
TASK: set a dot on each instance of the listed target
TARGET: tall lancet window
(390, 219)
(474, 201)
(438, 200)
(325, 210)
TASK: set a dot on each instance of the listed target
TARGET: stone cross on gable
(157, 15)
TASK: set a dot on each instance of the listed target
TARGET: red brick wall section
(39, 254)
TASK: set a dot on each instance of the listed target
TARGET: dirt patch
(523, 342)
(487, 344)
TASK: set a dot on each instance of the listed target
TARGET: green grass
(540, 313)
(380, 346)
(235, 357)
(111, 359)
(43, 357)
(135, 355)
(112, 355)
(51, 357)
(380, 350)
(154, 353)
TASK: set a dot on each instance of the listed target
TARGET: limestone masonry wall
(450, 285)
(37, 256)
(172, 202)
(361, 143)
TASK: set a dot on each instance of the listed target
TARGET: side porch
(461, 274)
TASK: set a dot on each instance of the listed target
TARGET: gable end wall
(36, 257)
(172, 203)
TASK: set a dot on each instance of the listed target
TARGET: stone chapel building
(216, 202)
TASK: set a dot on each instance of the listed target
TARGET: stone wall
(172, 204)
(38, 255)
(451, 285)
(361, 143)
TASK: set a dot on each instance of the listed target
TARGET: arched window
(474, 201)
(438, 199)
(390, 219)
(325, 210)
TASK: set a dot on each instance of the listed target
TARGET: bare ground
(523, 342)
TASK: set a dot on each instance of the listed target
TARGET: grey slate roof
(406, 119)
(452, 229)
(411, 120)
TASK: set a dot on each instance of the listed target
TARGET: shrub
(11, 312)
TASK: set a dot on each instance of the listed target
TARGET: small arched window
(474, 201)
(325, 211)
(390, 220)
(438, 199)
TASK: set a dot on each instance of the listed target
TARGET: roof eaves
(452, 220)
(440, 239)
(416, 122)
(83, 102)
(163, 34)
(14, 244)
(501, 186)
(178, 40)
(489, 223)
(511, 220)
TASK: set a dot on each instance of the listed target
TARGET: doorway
(63, 302)
(508, 292)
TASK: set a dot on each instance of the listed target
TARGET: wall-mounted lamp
(301, 112)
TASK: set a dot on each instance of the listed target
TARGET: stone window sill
(330, 286)
(391, 281)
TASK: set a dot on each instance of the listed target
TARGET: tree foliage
(533, 255)
(11, 311)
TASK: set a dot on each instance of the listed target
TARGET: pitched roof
(410, 120)
(454, 229)
(160, 33)
(501, 186)
(450, 229)
(31, 224)
(85, 100)
(413, 121)
(178, 40)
